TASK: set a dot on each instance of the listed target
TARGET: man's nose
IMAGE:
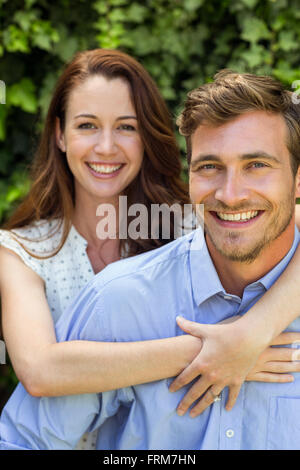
(232, 190)
(106, 142)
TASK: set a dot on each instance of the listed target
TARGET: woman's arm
(48, 368)
(230, 351)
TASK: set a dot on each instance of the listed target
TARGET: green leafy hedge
(181, 43)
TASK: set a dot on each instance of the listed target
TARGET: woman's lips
(104, 170)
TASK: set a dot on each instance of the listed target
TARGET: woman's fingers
(278, 354)
(233, 393)
(212, 395)
(186, 376)
(270, 377)
(281, 367)
(196, 391)
(190, 327)
(287, 338)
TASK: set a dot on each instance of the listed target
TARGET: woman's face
(101, 139)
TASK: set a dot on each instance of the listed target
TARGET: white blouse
(64, 274)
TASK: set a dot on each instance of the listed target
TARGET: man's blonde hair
(232, 94)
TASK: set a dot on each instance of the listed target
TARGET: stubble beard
(277, 225)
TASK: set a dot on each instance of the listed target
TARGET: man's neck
(235, 276)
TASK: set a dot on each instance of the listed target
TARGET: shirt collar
(204, 277)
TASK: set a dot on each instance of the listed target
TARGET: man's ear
(60, 137)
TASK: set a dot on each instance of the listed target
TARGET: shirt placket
(231, 423)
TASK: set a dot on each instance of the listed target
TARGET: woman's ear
(298, 183)
(60, 137)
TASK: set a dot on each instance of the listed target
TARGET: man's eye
(208, 166)
(258, 165)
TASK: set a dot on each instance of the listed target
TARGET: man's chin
(237, 256)
(237, 251)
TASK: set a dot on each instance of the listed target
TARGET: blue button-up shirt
(139, 299)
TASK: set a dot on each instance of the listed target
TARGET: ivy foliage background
(181, 43)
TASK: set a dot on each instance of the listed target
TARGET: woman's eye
(127, 127)
(86, 125)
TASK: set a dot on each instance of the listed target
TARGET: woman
(107, 134)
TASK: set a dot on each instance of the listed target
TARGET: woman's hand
(229, 356)
(274, 364)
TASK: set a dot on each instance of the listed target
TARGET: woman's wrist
(188, 348)
(254, 328)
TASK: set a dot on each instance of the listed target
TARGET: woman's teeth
(104, 168)
(244, 216)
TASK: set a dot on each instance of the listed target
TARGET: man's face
(242, 174)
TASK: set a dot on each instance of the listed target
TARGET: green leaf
(279, 22)
(12, 194)
(2, 92)
(29, 3)
(66, 47)
(257, 55)
(136, 13)
(192, 5)
(22, 94)
(249, 3)
(25, 19)
(288, 41)
(101, 7)
(3, 114)
(285, 73)
(15, 40)
(117, 15)
(254, 30)
(43, 35)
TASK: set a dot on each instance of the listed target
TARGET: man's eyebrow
(205, 158)
(257, 155)
(92, 116)
(247, 156)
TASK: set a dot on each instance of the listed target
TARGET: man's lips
(242, 219)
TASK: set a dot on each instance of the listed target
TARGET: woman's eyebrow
(126, 117)
(92, 116)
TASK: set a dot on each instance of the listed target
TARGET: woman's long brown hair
(52, 191)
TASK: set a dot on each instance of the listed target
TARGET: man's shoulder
(138, 267)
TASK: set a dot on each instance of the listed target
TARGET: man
(243, 142)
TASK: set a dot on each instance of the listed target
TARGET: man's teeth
(104, 168)
(237, 217)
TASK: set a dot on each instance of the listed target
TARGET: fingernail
(180, 412)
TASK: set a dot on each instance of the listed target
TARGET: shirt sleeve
(59, 422)
(8, 241)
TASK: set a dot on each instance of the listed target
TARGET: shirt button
(229, 433)
(227, 297)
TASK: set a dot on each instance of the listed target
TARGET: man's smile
(237, 219)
